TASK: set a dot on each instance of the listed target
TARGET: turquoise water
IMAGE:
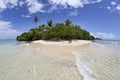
(7, 41)
(99, 60)
(8, 46)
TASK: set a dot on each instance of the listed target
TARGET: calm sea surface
(9, 46)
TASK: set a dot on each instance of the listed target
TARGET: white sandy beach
(63, 43)
(60, 48)
(41, 60)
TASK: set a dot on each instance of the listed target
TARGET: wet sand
(60, 61)
(41, 62)
(98, 62)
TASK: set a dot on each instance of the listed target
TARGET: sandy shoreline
(34, 61)
(62, 50)
(43, 61)
(60, 62)
(63, 43)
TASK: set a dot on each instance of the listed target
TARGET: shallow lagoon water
(23, 61)
(99, 60)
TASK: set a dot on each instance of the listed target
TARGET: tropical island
(55, 32)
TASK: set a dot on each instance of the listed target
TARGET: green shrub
(60, 31)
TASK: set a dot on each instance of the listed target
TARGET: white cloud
(6, 30)
(5, 25)
(118, 7)
(92, 34)
(29, 2)
(72, 3)
(35, 7)
(109, 8)
(113, 3)
(90, 1)
(73, 13)
(75, 3)
(4, 4)
(11, 3)
(52, 8)
(105, 35)
(58, 2)
(25, 16)
(21, 3)
(114, 7)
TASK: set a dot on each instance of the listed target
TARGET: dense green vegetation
(58, 31)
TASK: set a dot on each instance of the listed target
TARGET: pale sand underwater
(41, 62)
(76, 60)
(99, 61)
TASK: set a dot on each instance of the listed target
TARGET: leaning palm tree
(50, 23)
(36, 20)
(68, 22)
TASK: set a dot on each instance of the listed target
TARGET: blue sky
(100, 17)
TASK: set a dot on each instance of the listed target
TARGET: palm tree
(36, 20)
(50, 23)
(42, 27)
(68, 22)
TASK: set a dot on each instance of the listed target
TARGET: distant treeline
(58, 31)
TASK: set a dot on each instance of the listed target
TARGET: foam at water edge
(84, 70)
